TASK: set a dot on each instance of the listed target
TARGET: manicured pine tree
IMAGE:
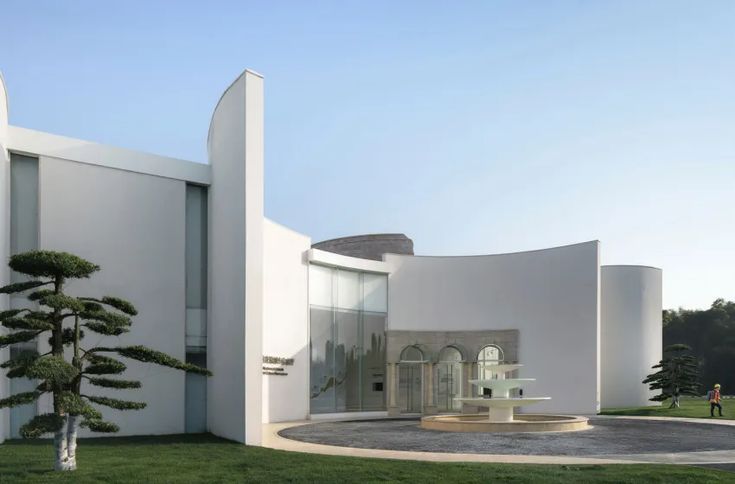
(678, 374)
(62, 370)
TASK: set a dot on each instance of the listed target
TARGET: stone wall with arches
(424, 358)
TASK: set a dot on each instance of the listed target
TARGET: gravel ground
(606, 437)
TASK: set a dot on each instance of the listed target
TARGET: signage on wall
(274, 365)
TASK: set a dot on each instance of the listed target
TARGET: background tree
(677, 375)
(68, 371)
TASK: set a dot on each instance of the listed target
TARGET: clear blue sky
(473, 127)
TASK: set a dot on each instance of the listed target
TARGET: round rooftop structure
(370, 246)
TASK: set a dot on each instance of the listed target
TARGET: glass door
(409, 387)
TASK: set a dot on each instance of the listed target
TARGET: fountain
(501, 416)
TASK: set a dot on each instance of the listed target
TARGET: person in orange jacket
(714, 400)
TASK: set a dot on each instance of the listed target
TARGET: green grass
(207, 459)
(691, 407)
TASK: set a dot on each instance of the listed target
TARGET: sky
(473, 127)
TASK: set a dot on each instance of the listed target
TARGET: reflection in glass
(347, 343)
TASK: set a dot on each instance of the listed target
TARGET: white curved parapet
(630, 333)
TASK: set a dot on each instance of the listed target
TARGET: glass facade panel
(348, 290)
(373, 361)
(322, 361)
(320, 286)
(347, 361)
(375, 293)
(347, 343)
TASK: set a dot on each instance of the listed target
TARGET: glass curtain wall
(347, 340)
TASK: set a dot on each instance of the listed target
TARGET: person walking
(714, 400)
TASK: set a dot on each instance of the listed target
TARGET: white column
(235, 337)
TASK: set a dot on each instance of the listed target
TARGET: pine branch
(113, 383)
(53, 369)
(106, 329)
(11, 313)
(62, 301)
(103, 365)
(17, 366)
(147, 355)
(96, 425)
(67, 337)
(22, 286)
(115, 302)
(73, 404)
(115, 403)
(36, 295)
(18, 337)
(42, 424)
(28, 323)
(19, 399)
(47, 263)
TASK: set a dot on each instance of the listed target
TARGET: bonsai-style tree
(62, 371)
(678, 374)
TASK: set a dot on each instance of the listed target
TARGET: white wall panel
(132, 225)
(285, 322)
(631, 329)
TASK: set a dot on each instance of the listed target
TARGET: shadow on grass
(204, 438)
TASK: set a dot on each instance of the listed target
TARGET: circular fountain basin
(520, 423)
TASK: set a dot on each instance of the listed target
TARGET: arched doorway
(449, 380)
(488, 355)
(410, 381)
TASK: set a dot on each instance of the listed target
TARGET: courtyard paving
(611, 439)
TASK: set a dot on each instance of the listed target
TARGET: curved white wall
(551, 296)
(286, 322)
(235, 339)
(631, 330)
(4, 237)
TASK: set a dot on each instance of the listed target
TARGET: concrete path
(272, 439)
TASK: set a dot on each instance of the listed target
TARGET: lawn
(691, 407)
(204, 458)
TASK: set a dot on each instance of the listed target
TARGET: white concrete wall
(550, 296)
(286, 322)
(132, 225)
(235, 337)
(4, 242)
(631, 333)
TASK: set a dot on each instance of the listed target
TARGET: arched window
(412, 353)
(448, 385)
(488, 356)
(410, 380)
(450, 354)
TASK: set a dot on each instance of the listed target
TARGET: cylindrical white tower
(630, 333)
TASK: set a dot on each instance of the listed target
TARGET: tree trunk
(61, 448)
(71, 439)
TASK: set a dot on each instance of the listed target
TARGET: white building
(293, 332)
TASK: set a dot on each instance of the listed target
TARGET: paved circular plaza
(607, 437)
